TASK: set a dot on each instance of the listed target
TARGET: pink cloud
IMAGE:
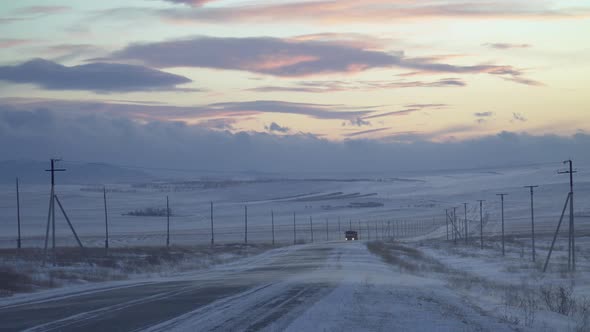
(351, 11)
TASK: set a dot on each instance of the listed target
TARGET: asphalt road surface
(324, 287)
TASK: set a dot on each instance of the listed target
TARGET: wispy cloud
(97, 77)
(373, 11)
(289, 58)
(146, 111)
(337, 86)
(10, 42)
(482, 117)
(365, 132)
(411, 108)
(218, 123)
(483, 114)
(518, 117)
(505, 46)
(393, 113)
(34, 10)
(357, 122)
(191, 3)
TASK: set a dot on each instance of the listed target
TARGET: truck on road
(351, 235)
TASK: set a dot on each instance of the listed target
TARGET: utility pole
(350, 224)
(327, 239)
(502, 205)
(211, 218)
(571, 261)
(311, 227)
(447, 221)
(465, 223)
(376, 233)
(294, 230)
(245, 224)
(455, 224)
(359, 231)
(51, 216)
(51, 213)
(389, 229)
(106, 221)
(167, 223)
(18, 239)
(532, 217)
(272, 221)
(481, 221)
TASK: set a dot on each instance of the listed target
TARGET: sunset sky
(385, 71)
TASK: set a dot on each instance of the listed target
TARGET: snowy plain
(409, 198)
(328, 285)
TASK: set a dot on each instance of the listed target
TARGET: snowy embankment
(512, 288)
(24, 272)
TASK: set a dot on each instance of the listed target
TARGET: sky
(225, 84)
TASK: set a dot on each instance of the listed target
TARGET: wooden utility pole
(447, 222)
(272, 222)
(294, 230)
(502, 206)
(51, 213)
(106, 221)
(167, 223)
(456, 231)
(532, 218)
(481, 221)
(465, 223)
(571, 257)
(359, 231)
(211, 219)
(245, 224)
(311, 227)
(51, 216)
(327, 236)
(18, 238)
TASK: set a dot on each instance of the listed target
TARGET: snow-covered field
(407, 199)
(421, 281)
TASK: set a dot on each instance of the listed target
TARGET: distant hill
(33, 172)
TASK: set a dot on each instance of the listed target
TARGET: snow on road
(334, 286)
(352, 291)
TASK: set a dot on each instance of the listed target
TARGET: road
(322, 287)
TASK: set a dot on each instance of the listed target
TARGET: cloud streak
(216, 110)
(290, 58)
(191, 3)
(96, 77)
(373, 11)
(338, 86)
(505, 46)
